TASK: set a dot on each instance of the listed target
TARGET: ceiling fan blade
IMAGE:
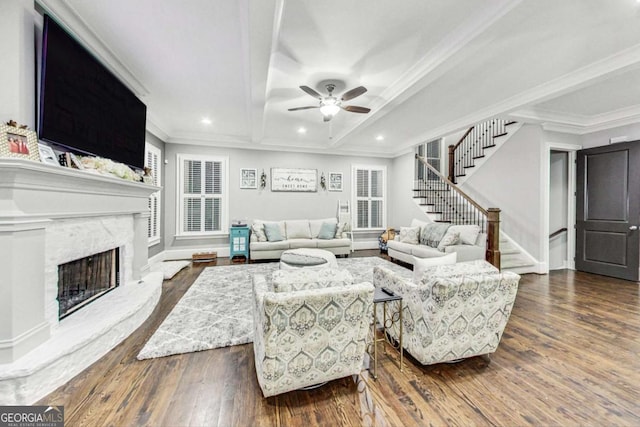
(311, 92)
(353, 93)
(303, 108)
(355, 109)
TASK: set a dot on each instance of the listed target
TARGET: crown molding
(67, 16)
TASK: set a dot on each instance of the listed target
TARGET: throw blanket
(431, 234)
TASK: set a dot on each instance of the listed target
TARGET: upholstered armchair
(310, 326)
(452, 311)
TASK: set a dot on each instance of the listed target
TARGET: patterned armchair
(454, 312)
(310, 326)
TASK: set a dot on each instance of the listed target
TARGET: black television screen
(83, 106)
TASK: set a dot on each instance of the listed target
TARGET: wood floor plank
(570, 356)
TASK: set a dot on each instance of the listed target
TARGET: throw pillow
(298, 229)
(468, 233)
(449, 239)
(342, 226)
(409, 235)
(421, 264)
(327, 231)
(273, 232)
(257, 228)
(433, 233)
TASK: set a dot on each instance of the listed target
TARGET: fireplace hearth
(84, 280)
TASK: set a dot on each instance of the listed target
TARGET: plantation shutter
(369, 188)
(203, 198)
(152, 161)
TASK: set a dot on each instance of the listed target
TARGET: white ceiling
(431, 67)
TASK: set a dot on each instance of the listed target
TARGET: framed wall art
(335, 181)
(301, 180)
(248, 178)
(18, 143)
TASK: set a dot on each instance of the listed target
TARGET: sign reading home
(294, 179)
(31, 416)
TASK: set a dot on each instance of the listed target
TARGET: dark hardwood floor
(570, 356)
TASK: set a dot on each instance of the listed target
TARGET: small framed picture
(75, 162)
(248, 178)
(18, 143)
(47, 155)
(335, 181)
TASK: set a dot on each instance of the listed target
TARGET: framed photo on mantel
(300, 180)
(18, 143)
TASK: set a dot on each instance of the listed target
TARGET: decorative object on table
(47, 155)
(323, 182)
(248, 178)
(18, 142)
(225, 317)
(390, 234)
(147, 178)
(204, 256)
(263, 180)
(335, 181)
(108, 167)
(239, 241)
(289, 179)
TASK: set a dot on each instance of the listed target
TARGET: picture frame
(18, 143)
(47, 155)
(335, 181)
(248, 178)
(294, 180)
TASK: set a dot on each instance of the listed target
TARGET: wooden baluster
(493, 237)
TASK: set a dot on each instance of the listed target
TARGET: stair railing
(472, 144)
(456, 207)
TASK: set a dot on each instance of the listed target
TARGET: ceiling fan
(330, 105)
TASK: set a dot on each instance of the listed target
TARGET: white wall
(402, 208)
(249, 204)
(597, 139)
(17, 96)
(510, 180)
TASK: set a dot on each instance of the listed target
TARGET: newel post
(493, 237)
(452, 166)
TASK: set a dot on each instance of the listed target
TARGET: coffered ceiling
(431, 67)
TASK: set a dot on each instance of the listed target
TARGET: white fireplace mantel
(48, 213)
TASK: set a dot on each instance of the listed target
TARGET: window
(202, 195)
(152, 161)
(369, 195)
(431, 153)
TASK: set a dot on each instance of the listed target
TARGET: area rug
(216, 311)
(168, 268)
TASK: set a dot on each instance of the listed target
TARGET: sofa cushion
(432, 233)
(302, 243)
(422, 251)
(316, 224)
(449, 239)
(410, 235)
(298, 229)
(333, 243)
(307, 278)
(328, 230)
(406, 248)
(420, 265)
(476, 267)
(257, 228)
(273, 232)
(270, 246)
(468, 233)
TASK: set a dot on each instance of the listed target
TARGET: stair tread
(499, 135)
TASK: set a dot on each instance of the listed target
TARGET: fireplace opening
(84, 280)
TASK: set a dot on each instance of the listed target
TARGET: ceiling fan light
(329, 110)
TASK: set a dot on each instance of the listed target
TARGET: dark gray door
(608, 210)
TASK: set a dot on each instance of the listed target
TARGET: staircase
(444, 201)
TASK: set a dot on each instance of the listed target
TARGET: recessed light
(206, 121)
(379, 138)
(302, 130)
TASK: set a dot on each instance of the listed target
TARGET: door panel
(608, 210)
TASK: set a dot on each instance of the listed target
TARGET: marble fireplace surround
(49, 216)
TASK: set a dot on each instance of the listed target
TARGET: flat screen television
(83, 106)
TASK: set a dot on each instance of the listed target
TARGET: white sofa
(469, 246)
(301, 233)
(310, 326)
